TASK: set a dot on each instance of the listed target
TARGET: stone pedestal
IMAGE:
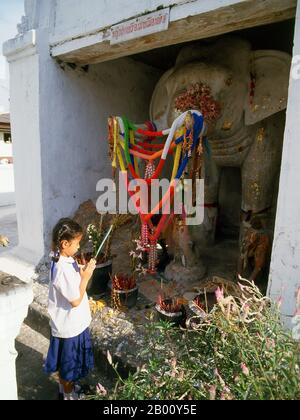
(15, 297)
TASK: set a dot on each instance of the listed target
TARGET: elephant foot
(185, 275)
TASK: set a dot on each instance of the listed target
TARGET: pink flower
(219, 294)
(297, 312)
(270, 343)
(246, 308)
(100, 390)
(245, 370)
(226, 395)
(174, 363)
(217, 375)
(212, 392)
(298, 295)
(279, 302)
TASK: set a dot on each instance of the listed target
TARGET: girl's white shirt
(66, 321)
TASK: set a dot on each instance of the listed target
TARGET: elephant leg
(260, 174)
(260, 170)
(204, 234)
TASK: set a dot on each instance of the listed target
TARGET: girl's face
(70, 248)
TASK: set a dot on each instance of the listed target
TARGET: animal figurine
(4, 241)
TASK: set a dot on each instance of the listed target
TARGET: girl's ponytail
(55, 255)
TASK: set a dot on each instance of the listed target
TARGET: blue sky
(11, 12)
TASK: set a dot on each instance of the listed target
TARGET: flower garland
(199, 96)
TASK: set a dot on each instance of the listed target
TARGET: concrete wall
(285, 265)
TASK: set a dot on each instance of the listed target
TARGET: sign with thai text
(142, 26)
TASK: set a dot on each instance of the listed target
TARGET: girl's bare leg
(68, 386)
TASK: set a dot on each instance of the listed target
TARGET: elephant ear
(160, 102)
(272, 72)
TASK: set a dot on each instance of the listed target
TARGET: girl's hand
(91, 265)
(87, 271)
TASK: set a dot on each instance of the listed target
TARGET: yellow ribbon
(116, 128)
(136, 165)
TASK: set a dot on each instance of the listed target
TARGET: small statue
(4, 241)
(186, 267)
(256, 246)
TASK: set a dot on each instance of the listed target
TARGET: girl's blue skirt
(71, 357)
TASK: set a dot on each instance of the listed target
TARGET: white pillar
(21, 53)
(285, 265)
(15, 296)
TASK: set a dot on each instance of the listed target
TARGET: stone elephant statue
(242, 95)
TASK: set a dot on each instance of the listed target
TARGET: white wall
(285, 265)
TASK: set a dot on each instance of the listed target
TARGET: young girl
(70, 352)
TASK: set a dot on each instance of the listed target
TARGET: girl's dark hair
(65, 230)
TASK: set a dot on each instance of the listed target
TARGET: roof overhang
(188, 22)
